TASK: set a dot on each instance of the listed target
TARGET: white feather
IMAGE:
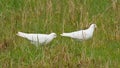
(81, 34)
(38, 38)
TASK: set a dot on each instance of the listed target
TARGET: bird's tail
(65, 34)
(21, 34)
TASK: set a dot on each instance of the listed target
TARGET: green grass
(46, 16)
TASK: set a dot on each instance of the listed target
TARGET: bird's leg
(35, 43)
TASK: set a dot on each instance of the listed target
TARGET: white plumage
(38, 38)
(81, 34)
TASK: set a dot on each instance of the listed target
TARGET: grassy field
(46, 16)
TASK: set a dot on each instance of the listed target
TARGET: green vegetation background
(46, 16)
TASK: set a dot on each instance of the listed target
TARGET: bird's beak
(55, 36)
(95, 26)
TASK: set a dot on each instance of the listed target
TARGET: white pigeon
(38, 38)
(81, 34)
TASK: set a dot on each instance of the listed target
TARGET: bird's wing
(37, 37)
(77, 34)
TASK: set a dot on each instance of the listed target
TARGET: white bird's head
(93, 26)
(54, 35)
